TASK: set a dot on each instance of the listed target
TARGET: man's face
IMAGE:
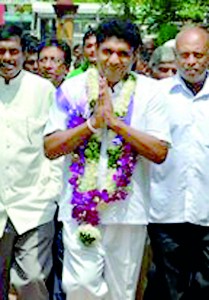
(89, 49)
(52, 64)
(11, 57)
(192, 55)
(77, 52)
(31, 62)
(164, 70)
(115, 58)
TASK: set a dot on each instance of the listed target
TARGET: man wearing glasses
(54, 59)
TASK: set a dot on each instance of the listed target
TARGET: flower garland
(88, 199)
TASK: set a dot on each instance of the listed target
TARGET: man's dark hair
(8, 31)
(31, 43)
(90, 32)
(77, 46)
(49, 42)
(121, 29)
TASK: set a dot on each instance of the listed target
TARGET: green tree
(163, 16)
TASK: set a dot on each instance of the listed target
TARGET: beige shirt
(29, 182)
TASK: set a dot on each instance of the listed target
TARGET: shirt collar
(179, 85)
(14, 81)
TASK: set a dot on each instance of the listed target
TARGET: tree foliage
(163, 16)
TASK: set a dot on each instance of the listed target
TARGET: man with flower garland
(109, 124)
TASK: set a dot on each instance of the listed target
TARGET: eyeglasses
(52, 60)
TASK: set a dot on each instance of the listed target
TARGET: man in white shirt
(108, 125)
(54, 59)
(29, 183)
(179, 213)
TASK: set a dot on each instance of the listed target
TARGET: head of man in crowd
(54, 58)
(192, 47)
(31, 54)
(117, 45)
(11, 51)
(141, 65)
(162, 63)
(77, 55)
(89, 46)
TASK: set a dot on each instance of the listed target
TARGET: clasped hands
(103, 114)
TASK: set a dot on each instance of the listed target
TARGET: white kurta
(29, 182)
(109, 270)
(149, 115)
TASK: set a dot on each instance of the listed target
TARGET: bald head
(192, 46)
(192, 35)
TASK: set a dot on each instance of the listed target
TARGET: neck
(112, 84)
(7, 80)
(195, 87)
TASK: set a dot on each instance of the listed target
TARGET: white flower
(88, 234)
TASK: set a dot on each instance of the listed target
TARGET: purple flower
(84, 204)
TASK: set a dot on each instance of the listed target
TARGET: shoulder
(72, 92)
(146, 84)
(146, 88)
(37, 81)
(74, 84)
(75, 72)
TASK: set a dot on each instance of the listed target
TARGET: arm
(63, 142)
(146, 145)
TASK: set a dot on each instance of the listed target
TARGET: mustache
(5, 64)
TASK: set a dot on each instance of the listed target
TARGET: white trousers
(108, 271)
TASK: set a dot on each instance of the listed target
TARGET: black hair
(49, 42)
(90, 32)
(31, 43)
(122, 29)
(9, 31)
(77, 46)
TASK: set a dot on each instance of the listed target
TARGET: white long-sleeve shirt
(180, 186)
(29, 182)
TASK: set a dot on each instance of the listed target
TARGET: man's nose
(191, 59)
(114, 58)
(48, 63)
(6, 55)
(35, 66)
(171, 72)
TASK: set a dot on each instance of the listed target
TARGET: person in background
(162, 62)
(141, 64)
(29, 184)
(54, 59)
(108, 124)
(179, 211)
(54, 62)
(77, 56)
(89, 53)
(31, 54)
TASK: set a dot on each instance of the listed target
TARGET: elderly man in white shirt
(29, 183)
(179, 212)
(110, 124)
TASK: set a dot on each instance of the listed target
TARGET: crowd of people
(104, 150)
